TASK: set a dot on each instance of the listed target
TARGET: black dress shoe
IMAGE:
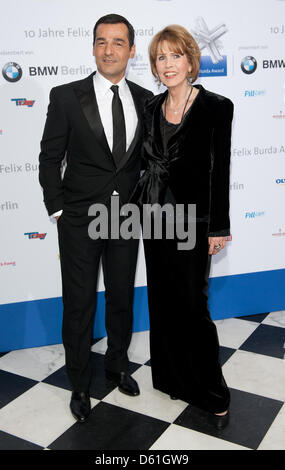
(221, 421)
(125, 382)
(80, 406)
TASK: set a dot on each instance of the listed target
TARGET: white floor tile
(233, 332)
(39, 415)
(34, 363)
(100, 346)
(138, 351)
(150, 402)
(275, 319)
(275, 437)
(178, 438)
(139, 348)
(255, 373)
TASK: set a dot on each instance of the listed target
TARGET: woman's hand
(216, 244)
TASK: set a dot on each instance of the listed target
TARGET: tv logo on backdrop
(12, 72)
(7, 263)
(215, 64)
(280, 233)
(34, 235)
(23, 102)
(281, 115)
(254, 214)
(253, 93)
(280, 181)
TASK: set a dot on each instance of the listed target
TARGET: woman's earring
(158, 81)
(189, 79)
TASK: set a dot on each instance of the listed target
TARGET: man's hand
(216, 244)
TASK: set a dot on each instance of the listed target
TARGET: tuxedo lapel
(139, 110)
(87, 98)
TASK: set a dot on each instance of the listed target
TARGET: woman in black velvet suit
(187, 153)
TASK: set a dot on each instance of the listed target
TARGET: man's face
(112, 50)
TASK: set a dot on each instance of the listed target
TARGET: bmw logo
(248, 64)
(12, 72)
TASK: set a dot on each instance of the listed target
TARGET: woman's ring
(217, 247)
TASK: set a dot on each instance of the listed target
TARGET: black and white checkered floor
(35, 395)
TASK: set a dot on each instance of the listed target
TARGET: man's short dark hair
(115, 19)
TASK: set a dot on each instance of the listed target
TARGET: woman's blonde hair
(181, 42)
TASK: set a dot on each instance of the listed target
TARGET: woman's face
(172, 68)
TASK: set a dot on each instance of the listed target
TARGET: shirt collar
(103, 85)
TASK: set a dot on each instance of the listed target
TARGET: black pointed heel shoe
(221, 421)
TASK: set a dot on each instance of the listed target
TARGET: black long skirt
(184, 344)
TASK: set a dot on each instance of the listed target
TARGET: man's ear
(133, 51)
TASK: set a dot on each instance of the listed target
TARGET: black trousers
(183, 339)
(80, 258)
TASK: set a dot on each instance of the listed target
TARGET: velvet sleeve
(219, 223)
(144, 123)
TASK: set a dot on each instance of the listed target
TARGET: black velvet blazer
(198, 163)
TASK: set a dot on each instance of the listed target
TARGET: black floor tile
(110, 427)
(100, 386)
(3, 353)
(12, 385)
(9, 442)
(267, 340)
(258, 318)
(59, 378)
(225, 354)
(250, 418)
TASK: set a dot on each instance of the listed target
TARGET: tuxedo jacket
(197, 167)
(74, 130)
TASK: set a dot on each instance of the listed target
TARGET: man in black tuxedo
(98, 128)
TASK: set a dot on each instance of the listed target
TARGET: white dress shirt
(104, 96)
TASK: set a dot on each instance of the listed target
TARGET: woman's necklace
(178, 126)
(176, 111)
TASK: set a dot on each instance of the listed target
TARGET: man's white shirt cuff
(57, 213)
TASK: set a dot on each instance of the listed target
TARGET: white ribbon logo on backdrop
(209, 38)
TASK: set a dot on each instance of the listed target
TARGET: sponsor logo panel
(12, 72)
(35, 235)
(213, 64)
(23, 102)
